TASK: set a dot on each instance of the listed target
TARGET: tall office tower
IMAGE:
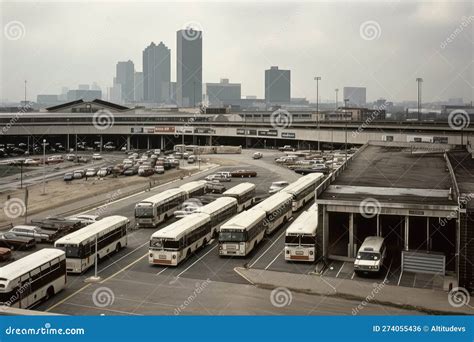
(156, 73)
(277, 85)
(356, 96)
(189, 67)
(125, 76)
(223, 93)
(138, 86)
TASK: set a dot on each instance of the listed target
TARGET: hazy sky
(70, 43)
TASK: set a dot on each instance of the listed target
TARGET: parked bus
(242, 233)
(300, 239)
(219, 211)
(33, 278)
(174, 243)
(193, 189)
(278, 209)
(244, 193)
(303, 189)
(158, 208)
(110, 234)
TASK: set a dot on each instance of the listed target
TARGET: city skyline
(435, 49)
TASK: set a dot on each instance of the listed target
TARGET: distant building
(356, 96)
(223, 93)
(189, 67)
(156, 73)
(277, 85)
(86, 95)
(83, 87)
(95, 86)
(47, 100)
(115, 93)
(63, 95)
(80, 106)
(125, 76)
(173, 98)
(138, 86)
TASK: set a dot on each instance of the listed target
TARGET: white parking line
(327, 268)
(278, 238)
(116, 261)
(197, 261)
(400, 278)
(343, 263)
(164, 269)
(273, 260)
(388, 272)
(353, 274)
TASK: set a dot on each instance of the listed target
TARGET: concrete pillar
(379, 233)
(101, 143)
(407, 232)
(210, 140)
(147, 142)
(325, 231)
(350, 252)
(128, 142)
(162, 142)
(428, 234)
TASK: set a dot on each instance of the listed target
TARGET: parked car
(244, 173)
(84, 219)
(257, 155)
(191, 159)
(286, 148)
(96, 156)
(54, 160)
(31, 162)
(118, 169)
(70, 157)
(91, 172)
(371, 255)
(159, 169)
(82, 159)
(13, 241)
(35, 232)
(157, 151)
(224, 174)
(5, 254)
(145, 171)
(102, 172)
(277, 186)
(133, 170)
(68, 176)
(78, 174)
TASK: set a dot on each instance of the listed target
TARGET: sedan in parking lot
(13, 241)
(243, 173)
(5, 254)
(69, 176)
(34, 232)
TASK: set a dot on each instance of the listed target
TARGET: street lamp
(336, 90)
(345, 130)
(317, 79)
(44, 163)
(419, 80)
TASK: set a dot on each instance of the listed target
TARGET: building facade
(125, 76)
(223, 93)
(138, 90)
(156, 73)
(189, 67)
(356, 96)
(277, 85)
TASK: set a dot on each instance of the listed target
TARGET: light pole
(336, 90)
(44, 163)
(345, 131)
(419, 80)
(317, 79)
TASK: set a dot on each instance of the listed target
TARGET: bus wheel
(204, 243)
(118, 247)
(49, 293)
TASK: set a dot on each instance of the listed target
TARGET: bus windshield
(368, 256)
(72, 251)
(231, 236)
(164, 244)
(144, 212)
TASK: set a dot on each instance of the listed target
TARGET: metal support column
(350, 252)
(147, 142)
(101, 143)
(407, 233)
(379, 233)
(128, 142)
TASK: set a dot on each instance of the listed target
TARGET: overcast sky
(71, 43)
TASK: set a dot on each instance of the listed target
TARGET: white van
(371, 255)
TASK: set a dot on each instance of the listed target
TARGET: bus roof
(303, 182)
(163, 196)
(306, 223)
(239, 189)
(177, 229)
(29, 262)
(245, 219)
(274, 201)
(371, 244)
(84, 233)
(193, 186)
(216, 205)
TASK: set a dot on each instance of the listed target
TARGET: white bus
(158, 208)
(33, 278)
(278, 209)
(174, 243)
(303, 189)
(242, 233)
(195, 188)
(219, 211)
(300, 239)
(110, 233)
(244, 193)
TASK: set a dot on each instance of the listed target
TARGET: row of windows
(103, 241)
(279, 212)
(171, 204)
(188, 239)
(245, 197)
(255, 230)
(305, 192)
(223, 216)
(300, 239)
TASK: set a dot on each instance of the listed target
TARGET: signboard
(164, 129)
(288, 135)
(136, 129)
(241, 131)
(268, 133)
(184, 129)
(150, 130)
(204, 131)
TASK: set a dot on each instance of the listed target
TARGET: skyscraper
(356, 96)
(277, 85)
(125, 76)
(223, 93)
(189, 67)
(156, 73)
(138, 86)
